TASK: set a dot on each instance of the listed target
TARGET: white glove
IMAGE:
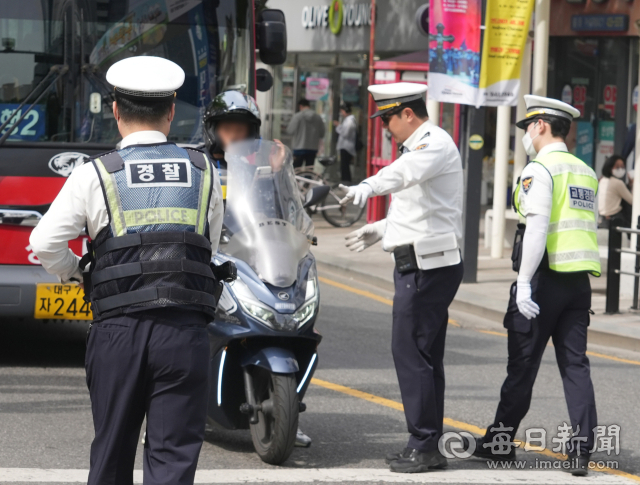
(358, 193)
(526, 305)
(365, 236)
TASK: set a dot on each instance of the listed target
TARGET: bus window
(211, 40)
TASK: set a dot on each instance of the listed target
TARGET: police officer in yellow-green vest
(551, 298)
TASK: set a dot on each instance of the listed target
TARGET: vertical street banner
(454, 50)
(505, 36)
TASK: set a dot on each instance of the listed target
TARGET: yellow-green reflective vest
(572, 243)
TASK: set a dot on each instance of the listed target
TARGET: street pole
(474, 125)
(500, 181)
(433, 109)
(541, 47)
(520, 156)
(635, 210)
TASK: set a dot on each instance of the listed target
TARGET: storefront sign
(584, 142)
(606, 135)
(454, 50)
(506, 30)
(336, 15)
(579, 98)
(610, 96)
(317, 88)
(600, 23)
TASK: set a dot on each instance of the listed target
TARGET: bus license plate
(64, 302)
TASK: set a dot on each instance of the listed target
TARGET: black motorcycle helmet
(230, 106)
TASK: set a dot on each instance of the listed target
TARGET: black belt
(145, 238)
(149, 267)
(150, 294)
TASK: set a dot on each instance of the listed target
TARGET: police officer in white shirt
(423, 229)
(154, 213)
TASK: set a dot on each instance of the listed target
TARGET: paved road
(353, 412)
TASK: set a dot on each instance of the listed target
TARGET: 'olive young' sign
(336, 15)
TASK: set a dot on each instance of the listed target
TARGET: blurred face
(343, 113)
(231, 131)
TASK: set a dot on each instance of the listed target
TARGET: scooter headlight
(251, 305)
(265, 316)
(303, 315)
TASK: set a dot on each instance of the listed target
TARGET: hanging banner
(454, 50)
(505, 36)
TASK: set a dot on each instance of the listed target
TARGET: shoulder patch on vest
(197, 157)
(582, 198)
(163, 172)
(421, 147)
(527, 182)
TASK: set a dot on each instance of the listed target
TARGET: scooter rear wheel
(274, 435)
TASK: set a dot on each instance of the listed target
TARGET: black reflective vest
(155, 252)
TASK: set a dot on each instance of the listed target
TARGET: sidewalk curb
(597, 337)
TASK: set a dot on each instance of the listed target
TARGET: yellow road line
(611, 357)
(452, 423)
(387, 301)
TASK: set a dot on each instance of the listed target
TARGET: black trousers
(564, 300)
(420, 316)
(154, 363)
(345, 162)
(304, 159)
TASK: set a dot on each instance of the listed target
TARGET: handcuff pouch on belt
(428, 253)
(516, 252)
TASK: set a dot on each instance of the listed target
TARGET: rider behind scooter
(231, 117)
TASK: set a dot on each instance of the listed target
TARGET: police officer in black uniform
(154, 213)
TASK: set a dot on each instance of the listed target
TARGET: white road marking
(310, 475)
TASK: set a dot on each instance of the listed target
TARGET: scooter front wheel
(274, 435)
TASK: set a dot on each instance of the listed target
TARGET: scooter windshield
(265, 223)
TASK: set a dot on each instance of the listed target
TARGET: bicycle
(335, 214)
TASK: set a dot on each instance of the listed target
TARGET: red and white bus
(55, 105)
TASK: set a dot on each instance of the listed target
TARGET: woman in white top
(614, 197)
(346, 140)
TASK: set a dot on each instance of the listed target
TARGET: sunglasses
(385, 118)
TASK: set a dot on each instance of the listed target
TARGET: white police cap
(146, 76)
(541, 106)
(390, 96)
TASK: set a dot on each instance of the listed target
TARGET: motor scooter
(263, 340)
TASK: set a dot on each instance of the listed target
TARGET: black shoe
(396, 456)
(488, 452)
(578, 465)
(418, 462)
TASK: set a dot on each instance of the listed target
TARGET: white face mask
(527, 141)
(618, 172)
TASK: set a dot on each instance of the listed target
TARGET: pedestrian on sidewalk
(347, 131)
(423, 229)
(307, 129)
(614, 197)
(552, 295)
(147, 347)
